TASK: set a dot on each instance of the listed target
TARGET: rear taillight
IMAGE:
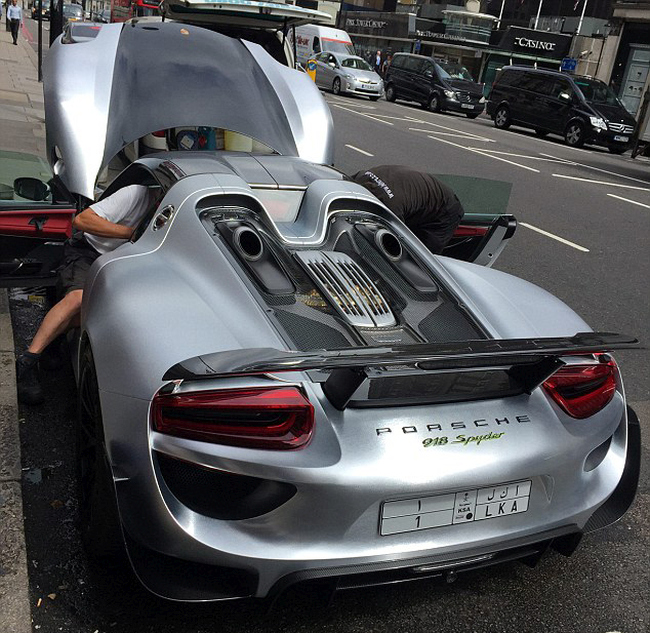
(583, 390)
(279, 418)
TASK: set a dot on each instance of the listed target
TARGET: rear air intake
(348, 288)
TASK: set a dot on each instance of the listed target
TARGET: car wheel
(574, 134)
(336, 86)
(391, 93)
(99, 520)
(502, 117)
(616, 150)
(541, 133)
(472, 115)
(434, 103)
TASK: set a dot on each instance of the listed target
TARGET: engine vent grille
(348, 288)
(621, 127)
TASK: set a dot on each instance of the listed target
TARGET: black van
(436, 85)
(582, 109)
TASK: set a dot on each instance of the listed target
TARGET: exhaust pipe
(389, 244)
(248, 243)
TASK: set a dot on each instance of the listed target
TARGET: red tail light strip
(583, 390)
(279, 418)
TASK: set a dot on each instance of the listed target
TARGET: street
(583, 233)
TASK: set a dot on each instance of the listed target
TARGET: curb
(14, 584)
(15, 612)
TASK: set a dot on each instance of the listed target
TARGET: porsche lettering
(456, 426)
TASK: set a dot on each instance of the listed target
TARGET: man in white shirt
(15, 17)
(106, 225)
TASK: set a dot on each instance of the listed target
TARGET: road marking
(554, 237)
(356, 105)
(550, 160)
(470, 137)
(477, 151)
(601, 182)
(647, 206)
(444, 127)
(368, 116)
(605, 171)
(361, 151)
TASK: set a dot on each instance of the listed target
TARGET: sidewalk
(22, 129)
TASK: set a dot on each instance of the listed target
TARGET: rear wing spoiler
(527, 362)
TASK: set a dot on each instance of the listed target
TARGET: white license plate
(366, 87)
(467, 106)
(411, 515)
(622, 139)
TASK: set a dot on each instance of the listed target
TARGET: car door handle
(38, 221)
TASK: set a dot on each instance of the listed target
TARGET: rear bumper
(181, 554)
(356, 89)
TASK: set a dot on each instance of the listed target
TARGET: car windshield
(455, 71)
(356, 62)
(72, 11)
(336, 46)
(595, 91)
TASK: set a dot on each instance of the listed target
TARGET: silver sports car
(277, 381)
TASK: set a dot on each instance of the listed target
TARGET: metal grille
(464, 96)
(348, 288)
(621, 127)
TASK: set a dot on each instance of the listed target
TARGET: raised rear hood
(248, 13)
(134, 79)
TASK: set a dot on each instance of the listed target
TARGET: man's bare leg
(56, 321)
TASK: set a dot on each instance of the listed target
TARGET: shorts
(78, 257)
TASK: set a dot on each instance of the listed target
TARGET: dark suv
(436, 85)
(581, 109)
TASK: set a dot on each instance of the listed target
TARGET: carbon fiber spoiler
(529, 361)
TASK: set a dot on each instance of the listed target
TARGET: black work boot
(52, 358)
(28, 379)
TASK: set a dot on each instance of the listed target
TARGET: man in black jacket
(427, 206)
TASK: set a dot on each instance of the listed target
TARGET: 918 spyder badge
(466, 506)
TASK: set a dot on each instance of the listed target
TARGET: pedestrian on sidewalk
(15, 17)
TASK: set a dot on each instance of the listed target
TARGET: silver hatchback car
(348, 74)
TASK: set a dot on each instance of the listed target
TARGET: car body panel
(118, 108)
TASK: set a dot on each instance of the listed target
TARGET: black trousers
(15, 25)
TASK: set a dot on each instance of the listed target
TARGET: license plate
(366, 87)
(467, 106)
(478, 504)
(622, 139)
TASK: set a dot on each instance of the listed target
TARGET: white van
(312, 39)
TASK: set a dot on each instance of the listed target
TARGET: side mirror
(332, 64)
(32, 189)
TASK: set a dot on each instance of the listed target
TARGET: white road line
(361, 151)
(647, 206)
(368, 116)
(605, 171)
(601, 182)
(554, 237)
(550, 160)
(444, 127)
(458, 134)
(480, 152)
(356, 105)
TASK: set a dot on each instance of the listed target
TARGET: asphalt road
(592, 253)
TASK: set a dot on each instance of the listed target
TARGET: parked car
(103, 16)
(45, 10)
(347, 74)
(72, 13)
(581, 109)
(277, 381)
(422, 79)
